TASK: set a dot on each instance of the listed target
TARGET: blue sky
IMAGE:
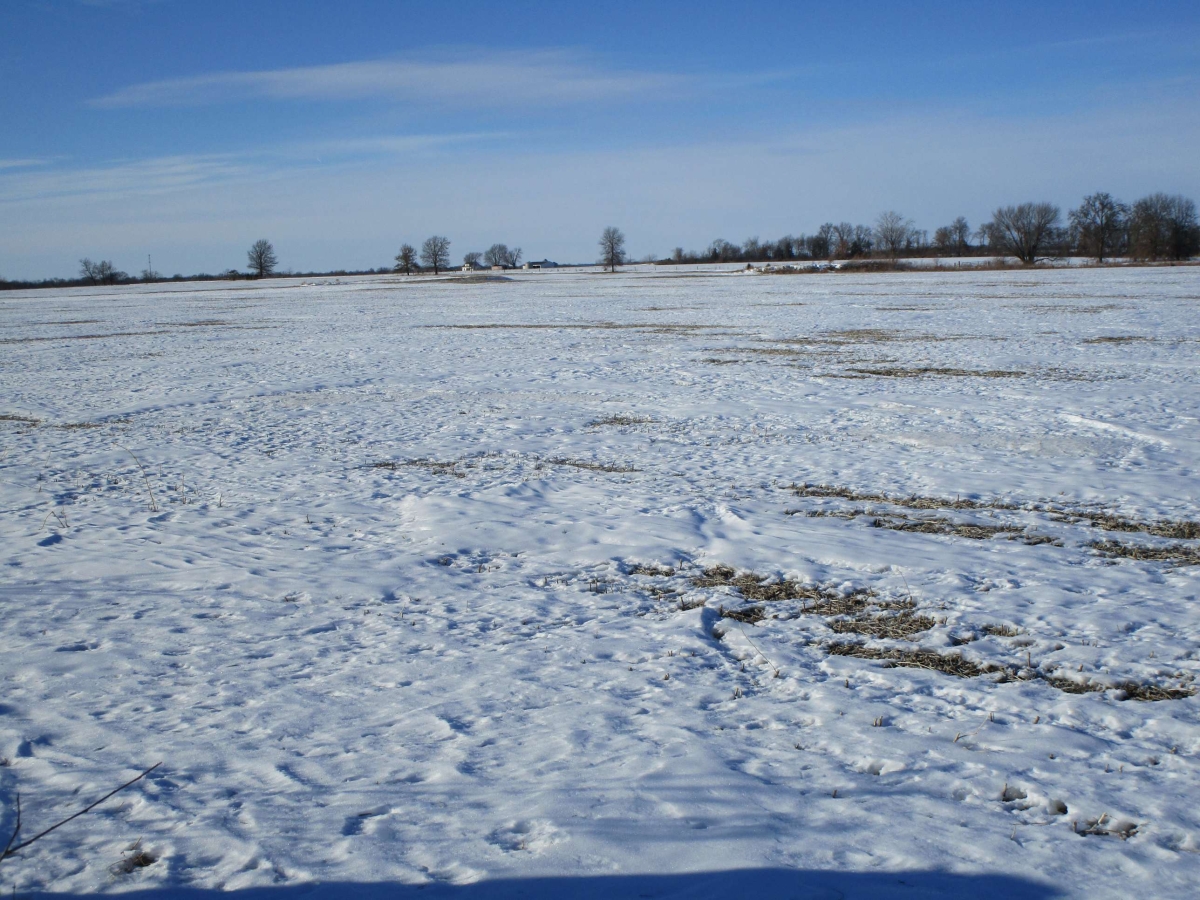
(187, 129)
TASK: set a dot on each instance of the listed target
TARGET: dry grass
(19, 420)
(80, 337)
(1153, 692)
(955, 664)
(1000, 630)
(749, 614)
(912, 501)
(620, 420)
(591, 465)
(757, 587)
(1182, 529)
(898, 626)
(1117, 339)
(432, 465)
(896, 372)
(654, 571)
(1184, 555)
(950, 664)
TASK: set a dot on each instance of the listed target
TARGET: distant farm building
(543, 264)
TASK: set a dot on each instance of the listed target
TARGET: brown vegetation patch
(20, 420)
(1117, 339)
(620, 420)
(1000, 630)
(591, 465)
(1153, 692)
(950, 664)
(654, 571)
(749, 615)
(432, 465)
(899, 626)
(955, 664)
(912, 501)
(1184, 555)
(757, 587)
(1183, 529)
(896, 372)
(79, 337)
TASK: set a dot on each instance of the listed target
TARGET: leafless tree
(101, 272)
(821, 244)
(471, 260)
(513, 258)
(1163, 227)
(722, 250)
(496, 255)
(1021, 231)
(677, 255)
(953, 238)
(960, 236)
(261, 256)
(435, 253)
(612, 248)
(406, 259)
(893, 232)
(1099, 224)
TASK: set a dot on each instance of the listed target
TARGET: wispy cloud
(476, 79)
(22, 163)
(158, 175)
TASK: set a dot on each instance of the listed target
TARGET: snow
(448, 671)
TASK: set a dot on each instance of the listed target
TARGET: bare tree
(612, 248)
(1021, 231)
(1099, 224)
(960, 234)
(435, 253)
(101, 272)
(406, 259)
(894, 232)
(261, 256)
(496, 255)
(471, 260)
(1162, 226)
(513, 258)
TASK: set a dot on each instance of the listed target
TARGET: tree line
(1157, 227)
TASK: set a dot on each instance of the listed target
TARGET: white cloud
(478, 80)
(125, 179)
(22, 163)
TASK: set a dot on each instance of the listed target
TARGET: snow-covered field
(420, 585)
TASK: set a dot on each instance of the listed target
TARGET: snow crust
(470, 666)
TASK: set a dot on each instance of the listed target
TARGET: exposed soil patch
(20, 420)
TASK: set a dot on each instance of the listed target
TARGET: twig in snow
(10, 850)
(145, 477)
